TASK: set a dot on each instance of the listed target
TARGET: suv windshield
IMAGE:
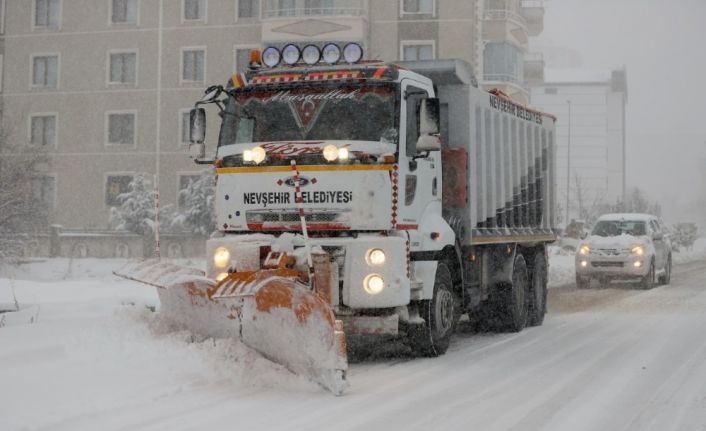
(356, 113)
(619, 227)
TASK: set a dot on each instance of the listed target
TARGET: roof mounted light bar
(311, 55)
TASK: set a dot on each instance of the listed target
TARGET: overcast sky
(662, 43)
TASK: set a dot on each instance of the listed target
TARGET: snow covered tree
(136, 212)
(637, 202)
(197, 203)
(22, 211)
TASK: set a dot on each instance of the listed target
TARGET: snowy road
(605, 359)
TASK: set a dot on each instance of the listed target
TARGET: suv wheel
(666, 278)
(648, 281)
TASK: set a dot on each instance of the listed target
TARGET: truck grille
(289, 217)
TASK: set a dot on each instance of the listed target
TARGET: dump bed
(498, 160)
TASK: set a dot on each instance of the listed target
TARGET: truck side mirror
(429, 125)
(197, 126)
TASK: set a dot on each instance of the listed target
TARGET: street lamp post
(568, 162)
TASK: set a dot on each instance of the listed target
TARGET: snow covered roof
(561, 76)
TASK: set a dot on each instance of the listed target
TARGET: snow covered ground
(97, 357)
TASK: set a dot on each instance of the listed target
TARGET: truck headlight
(376, 257)
(584, 250)
(330, 153)
(638, 250)
(257, 155)
(373, 284)
(221, 257)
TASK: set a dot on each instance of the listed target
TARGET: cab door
(418, 182)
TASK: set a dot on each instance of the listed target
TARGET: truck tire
(440, 314)
(666, 278)
(538, 291)
(648, 281)
(511, 302)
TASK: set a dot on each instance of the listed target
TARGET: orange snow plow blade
(270, 310)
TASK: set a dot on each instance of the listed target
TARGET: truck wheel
(582, 282)
(440, 314)
(666, 278)
(538, 291)
(648, 281)
(511, 303)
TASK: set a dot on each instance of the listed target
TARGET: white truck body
(476, 204)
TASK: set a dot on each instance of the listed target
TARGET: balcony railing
(501, 77)
(504, 15)
(338, 8)
(532, 3)
(534, 56)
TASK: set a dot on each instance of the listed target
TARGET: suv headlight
(584, 250)
(638, 250)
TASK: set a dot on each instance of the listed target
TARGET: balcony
(311, 20)
(504, 24)
(534, 68)
(349, 8)
(533, 13)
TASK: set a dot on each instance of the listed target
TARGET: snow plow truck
(364, 198)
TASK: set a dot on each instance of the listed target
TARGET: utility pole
(568, 162)
(157, 249)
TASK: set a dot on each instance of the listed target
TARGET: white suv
(625, 246)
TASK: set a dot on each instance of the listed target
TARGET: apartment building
(105, 85)
(591, 130)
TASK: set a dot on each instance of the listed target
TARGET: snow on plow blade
(269, 310)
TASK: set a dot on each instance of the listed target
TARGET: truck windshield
(357, 113)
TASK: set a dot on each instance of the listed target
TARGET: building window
(319, 7)
(194, 10)
(193, 63)
(503, 62)
(185, 180)
(44, 191)
(2, 16)
(115, 185)
(123, 68)
(46, 13)
(45, 71)
(412, 50)
(418, 6)
(124, 12)
(43, 130)
(551, 90)
(121, 128)
(242, 58)
(283, 8)
(248, 8)
(184, 126)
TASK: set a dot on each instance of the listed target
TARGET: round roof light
(271, 56)
(352, 53)
(311, 54)
(291, 54)
(331, 53)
